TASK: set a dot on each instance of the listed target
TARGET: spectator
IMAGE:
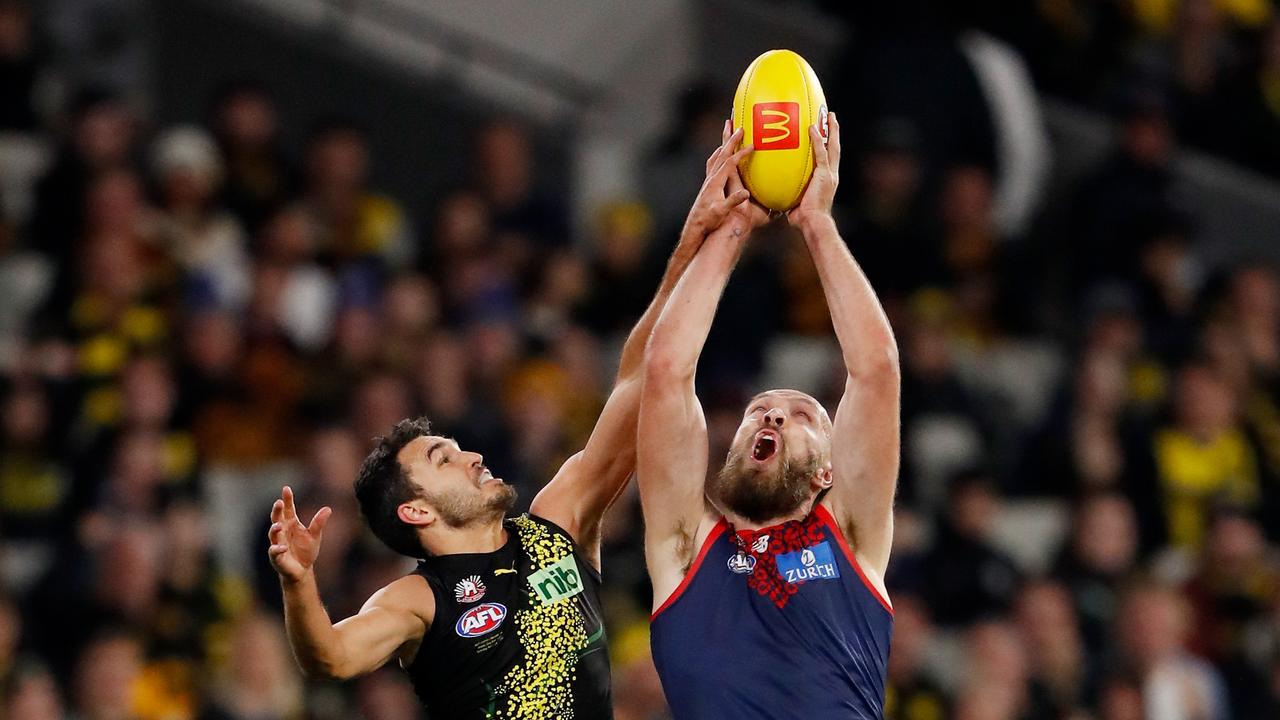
(911, 693)
(1059, 671)
(966, 578)
(1202, 457)
(1130, 188)
(1236, 583)
(888, 228)
(258, 680)
(33, 694)
(943, 429)
(108, 678)
(355, 223)
(259, 178)
(206, 243)
(386, 695)
(35, 488)
(624, 269)
(504, 164)
(101, 137)
(996, 677)
(1153, 629)
(1098, 558)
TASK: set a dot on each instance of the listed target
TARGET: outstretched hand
(821, 193)
(723, 198)
(294, 546)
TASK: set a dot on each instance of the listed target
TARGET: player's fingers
(820, 157)
(734, 139)
(277, 511)
(725, 131)
(318, 522)
(736, 159)
(276, 550)
(730, 143)
(833, 140)
(736, 198)
(276, 533)
(714, 158)
(290, 511)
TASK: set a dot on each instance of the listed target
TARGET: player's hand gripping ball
(778, 99)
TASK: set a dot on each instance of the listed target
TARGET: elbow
(881, 366)
(662, 365)
(316, 671)
(324, 669)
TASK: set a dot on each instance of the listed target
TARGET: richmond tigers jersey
(779, 622)
(517, 632)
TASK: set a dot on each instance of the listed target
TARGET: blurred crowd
(194, 315)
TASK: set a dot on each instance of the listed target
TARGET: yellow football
(778, 99)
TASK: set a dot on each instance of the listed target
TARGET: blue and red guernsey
(779, 622)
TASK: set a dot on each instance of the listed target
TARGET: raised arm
(588, 483)
(865, 438)
(390, 624)
(672, 444)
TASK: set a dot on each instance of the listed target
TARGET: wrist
(306, 579)
(816, 224)
(693, 228)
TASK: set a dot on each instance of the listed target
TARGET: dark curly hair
(383, 485)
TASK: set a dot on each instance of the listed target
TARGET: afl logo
(741, 563)
(481, 620)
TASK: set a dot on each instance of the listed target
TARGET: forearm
(862, 328)
(682, 328)
(632, 360)
(317, 646)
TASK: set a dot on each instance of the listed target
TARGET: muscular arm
(672, 452)
(588, 483)
(865, 438)
(393, 620)
(390, 621)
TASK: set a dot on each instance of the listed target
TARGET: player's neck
(480, 537)
(741, 523)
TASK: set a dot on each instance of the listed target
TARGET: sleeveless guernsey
(518, 632)
(779, 622)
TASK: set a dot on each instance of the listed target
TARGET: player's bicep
(387, 622)
(671, 462)
(865, 456)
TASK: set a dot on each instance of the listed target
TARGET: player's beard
(759, 494)
(460, 509)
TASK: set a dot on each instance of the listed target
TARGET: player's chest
(778, 569)
(493, 609)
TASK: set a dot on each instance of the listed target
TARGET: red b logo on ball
(775, 126)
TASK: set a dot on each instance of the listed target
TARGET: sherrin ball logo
(481, 620)
(777, 101)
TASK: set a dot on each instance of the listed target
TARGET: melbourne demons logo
(469, 590)
(481, 620)
(775, 126)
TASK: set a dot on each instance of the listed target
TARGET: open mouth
(765, 447)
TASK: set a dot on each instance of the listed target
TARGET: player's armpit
(395, 616)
